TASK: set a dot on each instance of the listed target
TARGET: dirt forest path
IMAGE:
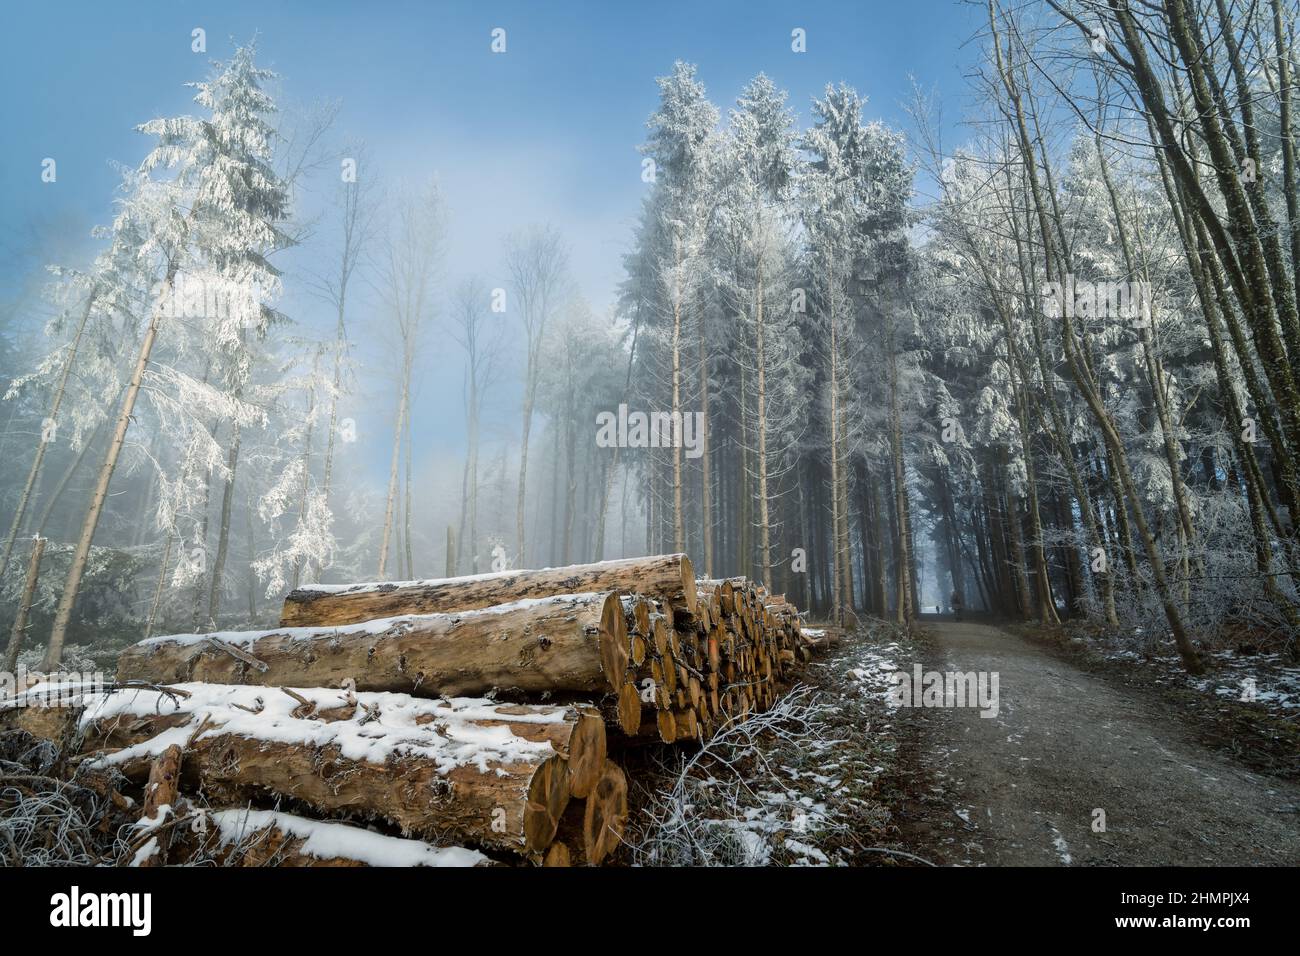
(1024, 784)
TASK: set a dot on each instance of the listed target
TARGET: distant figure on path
(956, 605)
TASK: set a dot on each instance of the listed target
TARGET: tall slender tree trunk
(223, 536)
(530, 395)
(570, 484)
(390, 506)
(159, 586)
(679, 521)
(879, 583)
(56, 495)
(607, 487)
(473, 477)
(340, 340)
(71, 587)
(844, 545)
(298, 565)
(764, 523)
(748, 493)
(1082, 377)
(837, 576)
(1042, 580)
(453, 557)
(406, 510)
(42, 445)
(19, 630)
(706, 470)
(1290, 185)
(196, 604)
(805, 592)
(905, 611)
(250, 575)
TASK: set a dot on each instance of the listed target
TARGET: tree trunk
(679, 520)
(391, 504)
(63, 615)
(24, 607)
(837, 576)
(670, 577)
(571, 644)
(56, 403)
(406, 511)
(223, 537)
(530, 392)
(67, 476)
(243, 837)
(706, 471)
(1081, 375)
(497, 776)
(906, 611)
(306, 468)
(764, 527)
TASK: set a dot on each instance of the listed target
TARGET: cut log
(246, 838)
(160, 799)
(585, 753)
(49, 709)
(164, 780)
(592, 829)
(669, 577)
(638, 645)
(605, 815)
(452, 768)
(56, 724)
(629, 709)
(573, 643)
(557, 855)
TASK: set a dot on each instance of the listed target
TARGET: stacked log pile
(484, 711)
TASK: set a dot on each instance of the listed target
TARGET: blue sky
(545, 132)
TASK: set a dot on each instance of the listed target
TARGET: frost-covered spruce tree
(856, 216)
(682, 147)
(759, 165)
(214, 205)
(299, 539)
(855, 193)
(829, 226)
(581, 377)
(241, 229)
(95, 324)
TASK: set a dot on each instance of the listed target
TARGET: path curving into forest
(1024, 784)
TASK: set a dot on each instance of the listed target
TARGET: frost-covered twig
(699, 820)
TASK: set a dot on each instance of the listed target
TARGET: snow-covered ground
(805, 799)
(1269, 680)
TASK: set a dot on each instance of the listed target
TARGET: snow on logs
(668, 577)
(673, 666)
(371, 703)
(567, 643)
(497, 776)
(653, 670)
(246, 837)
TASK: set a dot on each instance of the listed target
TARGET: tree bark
(56, 403)
(390, 507)
(63, 615)
(669, 577)
(19, 630)
(491, 775)
(223, 537)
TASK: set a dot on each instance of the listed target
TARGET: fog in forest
(966, 338)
